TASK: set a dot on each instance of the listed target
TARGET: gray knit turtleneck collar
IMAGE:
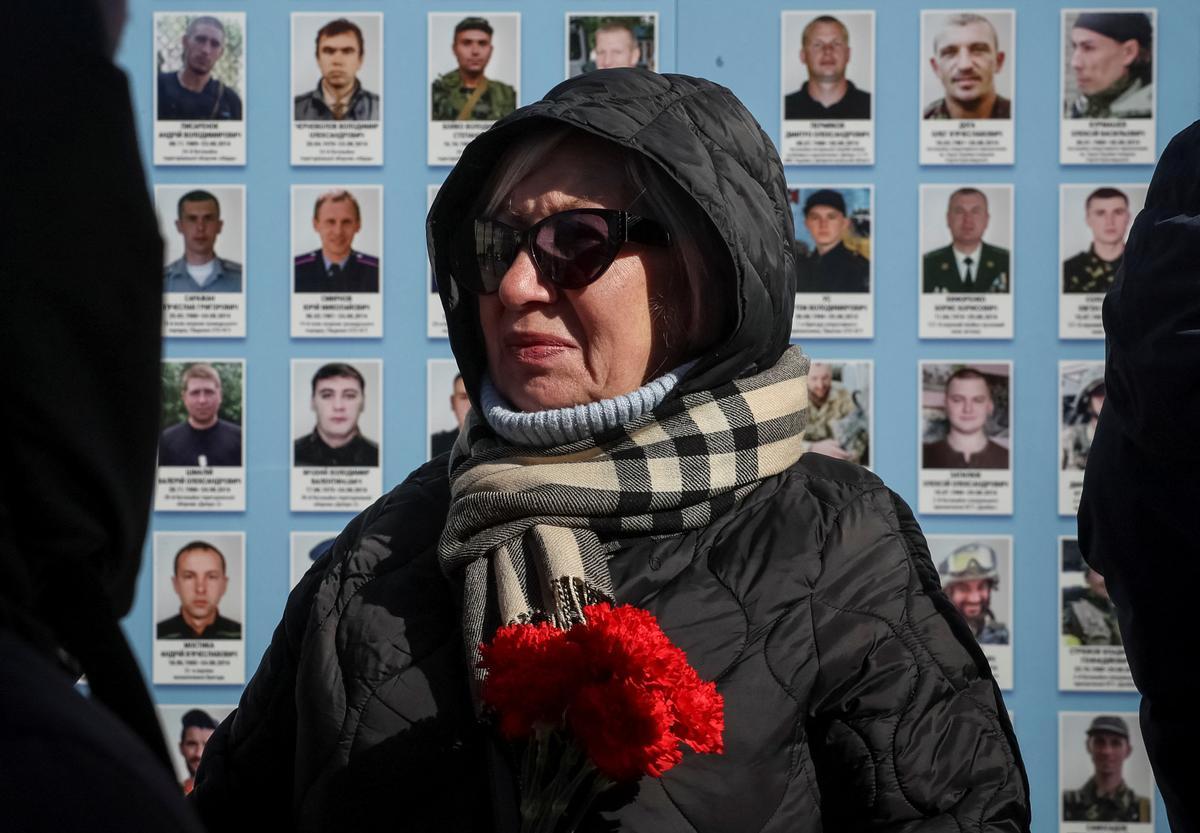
(543, 429)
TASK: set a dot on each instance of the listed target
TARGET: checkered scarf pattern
(525, 527)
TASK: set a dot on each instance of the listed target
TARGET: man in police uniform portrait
(198, 221)
(1088, 614)
(828, 93)
(336, 266)
(204, 438)
(969, 576)
(191, 93)
(466, 94)
(1085, 414)
(1105, 796)
(968, 264)
(838, 425)
(339, 95)
(338, 399)
(1106, 212)
(200, 581)
(830, 267)
(1111, 62)
(966, 59)
(969, 405)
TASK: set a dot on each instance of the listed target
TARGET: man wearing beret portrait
(1111, 60)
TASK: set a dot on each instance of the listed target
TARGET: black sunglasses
(571, 249)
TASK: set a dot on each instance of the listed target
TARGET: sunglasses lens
(573, 249)
(495, 250)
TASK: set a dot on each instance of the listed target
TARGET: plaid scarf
(525, 525)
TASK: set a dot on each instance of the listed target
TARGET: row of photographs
(965, 433)
(965, 269)
(200, 604)
(967, 104)
(1104, 775)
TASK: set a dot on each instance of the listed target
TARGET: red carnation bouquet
(609, 700)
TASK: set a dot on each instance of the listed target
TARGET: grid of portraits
(342, 441)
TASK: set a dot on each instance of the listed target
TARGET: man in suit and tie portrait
(968, 264)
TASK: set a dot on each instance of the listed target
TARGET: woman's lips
(536, 347)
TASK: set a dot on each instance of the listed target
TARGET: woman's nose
(523, 284)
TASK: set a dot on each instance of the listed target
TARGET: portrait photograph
(337, 67)
(435, 315)
(833, 238)
(337, 238)
(976, 573)
(828, 65)
(1094, 223)
(1081, 398)
(474, 65)
(611, 40)
(202, 414)
(840, 414)
(337, 413)
(966, 239)
(199, 587)
(204, 237)
(199, 66)
(1091, 652)
(967, 66)
(1104, 773)
(187, 729)
(966, 420)
(305, 548)
(447, 405)
(1108, 63)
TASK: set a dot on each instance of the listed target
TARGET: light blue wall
(737, 44)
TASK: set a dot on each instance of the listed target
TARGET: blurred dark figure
(1139, 522)
(79, 333)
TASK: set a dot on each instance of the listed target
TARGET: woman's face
(550, 347)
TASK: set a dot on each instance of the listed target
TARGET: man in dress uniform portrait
(1106, 212)
(198, 726)
(338, 399)
(200, 582)
(198, 221)
(830, 267)
(968, 264)
(969, 406)
(336, 266)
(966, 59)
(837, 424)
(1111, 60)
(1105, 796)
(1088, 614)
(827, 94)
(466, 94)
(969, 575)
(191, 93)
(339, 94)
(203, 439)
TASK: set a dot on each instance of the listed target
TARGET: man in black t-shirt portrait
(200, 581)
(191, 93)
(969, 405)
(338, 399)
(203, 439)
(827, 94)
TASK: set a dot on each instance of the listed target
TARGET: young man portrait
(192, 92)
(200, 581)
(203, 438)
(339, 95)
(199, 269)
(969, 405)
(338, 399)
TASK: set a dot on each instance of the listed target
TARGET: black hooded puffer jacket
(856, 698)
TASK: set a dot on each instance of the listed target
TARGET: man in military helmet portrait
(337, 266)
(969, 264)
(1085, 414)
(466, 93)
(830, 266)
(1106, 212)
(1105, 797)
(1110, 61)
(199, 269)
(192, 92)
(837, 424)
(1088, 614)
(339, 95)
(969, 575)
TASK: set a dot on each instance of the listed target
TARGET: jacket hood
(1152, 313)
(707, 142)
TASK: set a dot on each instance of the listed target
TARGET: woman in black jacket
(616, 265)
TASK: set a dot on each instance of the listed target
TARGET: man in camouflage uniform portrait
(1089, 617)
(969, 575)
(1111, 61)
(1105, 796)
(466, 94)
(1106, 212)
(837, 423)
(1078, 434)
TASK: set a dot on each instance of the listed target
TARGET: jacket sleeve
(907, 727)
